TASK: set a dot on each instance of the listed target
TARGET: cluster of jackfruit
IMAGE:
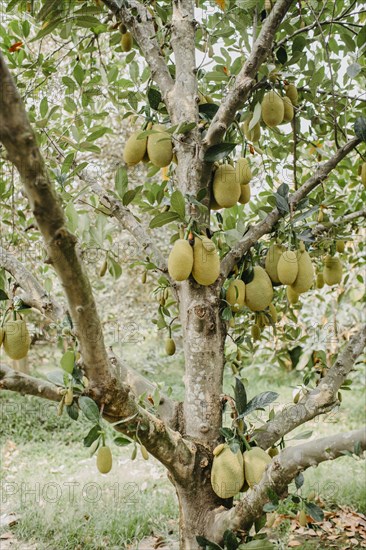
(276, 108)
(234, 472)
(156, 148)
(200, 260)
(15, 338)
(231, 184)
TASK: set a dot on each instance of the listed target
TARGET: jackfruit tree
(236, 127)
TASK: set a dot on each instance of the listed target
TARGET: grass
(44, 453)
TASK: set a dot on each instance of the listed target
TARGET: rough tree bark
(180, 435)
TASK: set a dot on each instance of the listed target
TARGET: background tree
(200, 70)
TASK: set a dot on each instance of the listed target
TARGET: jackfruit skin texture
(332, 271)
(305, 277)
(259, 292)
(16, 339)
(235, 294)
(273, 255)
(288, 109)
(104, 460)
(126, 42)
(320, 280)
(255, 133)
(226, 188)
(180, 261)
(363, 174)
(159, 147)
(227, 473)
(255, 462)
(243, 171)
(273, 109)
(244, 194)
(135, 149)
(288, 267)
(206, 261)
(292, 94)
(292, 296)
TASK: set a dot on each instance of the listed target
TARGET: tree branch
(282, 470)
(34, 294)
(266, 225)
(140, 22)
(246, 78)
(24, 384)
(319, 401)
(343, 220)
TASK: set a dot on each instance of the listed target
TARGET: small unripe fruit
(69, 397)
(256, 332)
(291, 92)
(292, 296)
(273, 451)
(303, 518)
(126, 42)
(169, 346)
(144, 453)
(319, 280)
(340, 246)
(288, 267)
(273, 109)
(104, 460)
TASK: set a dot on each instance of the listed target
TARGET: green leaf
(353, 70)
(282, 204)
(122, 441)
(98, 133)
(299, 480)
(47, 30)
(163, 219)
(68, 361)
(56, 377)
(206, 544)
(72, 411)
(154, 98)
(281, 55)
(3, 295)
(240, 396)
(360, 127)
(298, 44)
(92, 436)
(259, 402)
(209, 110)
(177, 204)
(121, 181)
(230, 540)
(89, 408)
(114, 268)
(219, 151)
(314, 511)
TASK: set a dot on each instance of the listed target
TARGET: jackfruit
(235, 294)
(255, 133)
(303, 518)
(144, 453)
(273, 313)
(217, 450)
(126, 41)
(227, 473)
(273, 109)
(289, 109)
(340, 246)
(69, 397)
(273, 255)
(291, 92)
(305, 276)
(104, 460)
(332, 270)
(273, 451)
(16, 339)
(259, 292)
(363, 173)
(169, 346)
(288, 267)
(244, 194)
(180, 261)
(159, 147)
(243, 171)
(292, 296)
(255, 332)
(135, 149)
(320, 280)
(206, 262)
(226, 188)
(255, 462)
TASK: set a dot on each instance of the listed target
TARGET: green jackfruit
(320, 280)
(288, 109)
(259, 292)
(206, 261)
(273, 313)
(180, 261)
(244, 194)
(255, 462)
(332, 270)
(255, 133)
(126, 41)
(303, 518)
(235, 294)
(227, 474)
(273, 451)
(273, 109)
(273, 255)
(255, 332)
(69, 397)
(159, 147)
(144, 453)
(169, 346)
(292, 296)
(104, 460)
(288, 267)
(305, 276)
(291, 92)
(243, 171)
(135, 149)
(340, 246)
(226, 188)
(16, 339)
